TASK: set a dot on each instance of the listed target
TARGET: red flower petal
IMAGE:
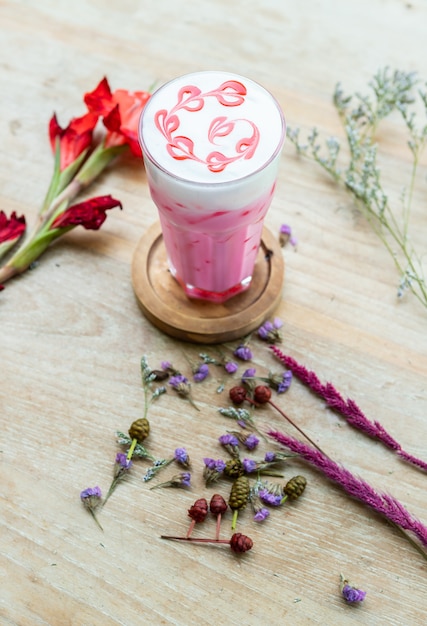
(90, 214)
(100, 100)
(73, 139)
(11, 228)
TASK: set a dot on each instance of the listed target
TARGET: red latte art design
(190, 98)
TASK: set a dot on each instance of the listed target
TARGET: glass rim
(147, 154)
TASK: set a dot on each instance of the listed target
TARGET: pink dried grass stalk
(347, 408)
(383, 503)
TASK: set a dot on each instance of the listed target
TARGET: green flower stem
(96, 519)
(131, 449)
(234, 519)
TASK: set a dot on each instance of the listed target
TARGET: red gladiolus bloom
(121, 111)
(73, 139)
(90, 214)
(12, 228)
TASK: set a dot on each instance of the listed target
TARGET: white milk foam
(213, 142)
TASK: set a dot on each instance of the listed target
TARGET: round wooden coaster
(165, 304)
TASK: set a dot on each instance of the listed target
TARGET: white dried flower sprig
(360, 115)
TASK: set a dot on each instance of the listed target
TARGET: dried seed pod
(218, 505)
(262, 394)
(159, 374)
(139, 429)
(295, 487)
(239, 493)
(234, 468)
(240, 543)
(237, 394)
(199, 510)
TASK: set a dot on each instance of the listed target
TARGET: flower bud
(139, 429)
(199, 510)
(240, 543)
(237, 394)
(218, 505)
(295, 487)
(239, 493)
(234, 468)
(262, 394)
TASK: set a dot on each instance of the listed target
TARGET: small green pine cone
(234, 468)
(139, 429)
(239, 493)
(295, 487)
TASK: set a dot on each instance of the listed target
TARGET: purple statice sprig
(248, 439)
(213, 470)
(91, 499)
(351, 594)
(182, 386)
(270, 494)
(200, 372)
(180, 456)
(183, 479)
(243, 351)
(230, 443)
(261, 513)
(347, 408)
(122, 466)
(270, 331)
(286, 236)
(382, 503)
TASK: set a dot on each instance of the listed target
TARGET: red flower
(73, 139)
(90, 214)
(121, 111)
(12, 228)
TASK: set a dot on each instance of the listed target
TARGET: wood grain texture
(72, 334)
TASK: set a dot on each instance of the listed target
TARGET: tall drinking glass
(211, 143)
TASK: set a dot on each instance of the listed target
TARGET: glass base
(197, 293)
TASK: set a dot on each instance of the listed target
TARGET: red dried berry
(240, 543)
(262, 394)
(237, 394)
(218, 505)
(199, 510)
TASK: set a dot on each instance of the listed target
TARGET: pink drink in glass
(211, 143)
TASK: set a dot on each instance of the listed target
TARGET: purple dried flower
(350, 593)
(122, 461)
(181, 456)
(286, 382)
(202, 371)
(248, 374)
(270, 331)
(91, 492)
(91, 498)
(177, 380)
(249, 465)
(209, 463)
(166, 365)
(213, 469)
(243, 353)
(285, 235)
(231, 367)
(261, 515)
(270, 457)
(251, 441)
(228, 440)
(270, 498)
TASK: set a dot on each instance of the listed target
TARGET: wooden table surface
(72, 335)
